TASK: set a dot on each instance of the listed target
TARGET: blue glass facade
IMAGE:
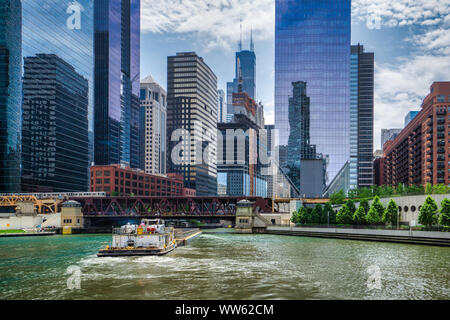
(247, 61)
(312, 44)
(248, 66)
(64, 29)
(117, 64)
(10, 95)
(48, 28)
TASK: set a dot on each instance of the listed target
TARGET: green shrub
(344, 216)
(444, 219)
(375, 214)
(329, 212)
(390, 215)
(359, 217)
(338, 197)
(428, 213)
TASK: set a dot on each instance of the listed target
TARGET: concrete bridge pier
(248, 221)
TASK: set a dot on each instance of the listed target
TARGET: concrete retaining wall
(24, 222)
(403, 236)
(410, 205)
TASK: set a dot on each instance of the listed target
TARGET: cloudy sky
(410, 38)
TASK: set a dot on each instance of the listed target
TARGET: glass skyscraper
(312, 44)
(10, 95)
(246, 64)
(63, 29)
(66, 30)
(116, 50)
(361, 117)
(55, 139)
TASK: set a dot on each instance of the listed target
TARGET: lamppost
(328, 213)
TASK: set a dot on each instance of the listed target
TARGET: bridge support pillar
(247, 220)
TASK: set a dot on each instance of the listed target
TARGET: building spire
(240, 41)
(252, 44)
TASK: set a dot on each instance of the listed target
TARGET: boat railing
(124, 232)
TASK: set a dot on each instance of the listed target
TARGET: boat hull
(138, 252)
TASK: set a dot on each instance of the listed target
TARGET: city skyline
(403, 71)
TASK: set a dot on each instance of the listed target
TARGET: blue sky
(410, 38)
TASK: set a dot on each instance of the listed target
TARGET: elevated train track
(99, 205)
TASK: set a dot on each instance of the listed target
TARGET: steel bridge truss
(214, 207)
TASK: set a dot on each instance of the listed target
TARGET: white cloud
(402, 88)
(389, 13)
(215, 23)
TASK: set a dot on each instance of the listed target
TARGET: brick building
(121, 180)
(420, 153)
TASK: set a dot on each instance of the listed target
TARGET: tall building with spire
(246, 59)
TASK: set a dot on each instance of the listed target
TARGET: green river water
(222, 265)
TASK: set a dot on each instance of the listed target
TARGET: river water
(223, 265)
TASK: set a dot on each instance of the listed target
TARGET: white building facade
(153, 99)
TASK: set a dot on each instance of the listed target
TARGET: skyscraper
(306, 168)
(117, 54)
(389, 134)
(66, 30)
(245, 67)
(10, 95)
(361, 117)
(192, 122)
(153, 127)
(312, 44)
(221, 107)
(55, 126)
(410, 116)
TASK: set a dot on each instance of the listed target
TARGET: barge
(150, 238)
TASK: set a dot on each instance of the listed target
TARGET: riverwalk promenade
(398, 236)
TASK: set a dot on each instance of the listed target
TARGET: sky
(410, 39)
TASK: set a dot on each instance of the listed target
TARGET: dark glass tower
(246, 59)
(312, 44)
(55, 126)
(302, 159)
(10, 95)
(362, 114)
(116, 50)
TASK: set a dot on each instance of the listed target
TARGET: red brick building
(121, 180)
(420, 153)
(378, 170)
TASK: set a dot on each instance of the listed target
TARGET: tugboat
(150, 238)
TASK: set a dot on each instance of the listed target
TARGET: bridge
(100, 205)
(173, 207)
